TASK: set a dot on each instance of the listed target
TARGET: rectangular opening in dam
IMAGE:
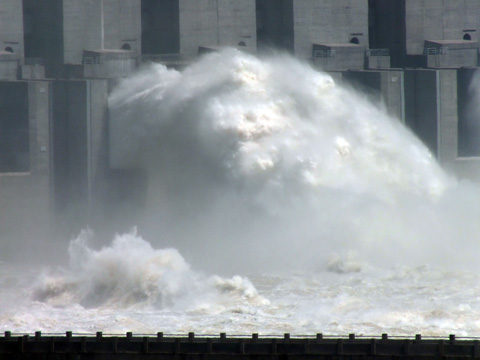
(14, 130)
(386, 28)
(421, 105)
(43, 31)
(274, 24)
(160, 27)
(468, 87)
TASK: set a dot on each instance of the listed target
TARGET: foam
(131, 274)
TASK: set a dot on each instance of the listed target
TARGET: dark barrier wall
(223, 347)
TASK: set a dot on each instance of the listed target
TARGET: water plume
(272, 161)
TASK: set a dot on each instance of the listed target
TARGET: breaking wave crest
(130, 273)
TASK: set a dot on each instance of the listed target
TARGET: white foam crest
(130, 273)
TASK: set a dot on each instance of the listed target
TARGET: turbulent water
(334, 217)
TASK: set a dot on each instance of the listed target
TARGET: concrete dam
(250, 167)
(60, 61)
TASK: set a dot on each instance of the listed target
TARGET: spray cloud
(267, 164)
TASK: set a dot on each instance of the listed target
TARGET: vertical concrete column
(392, 90)
(38, 120)
(448, 115)
(80, 148)
(97, 140)
(102, 26)
(431, 110)
(40, 198)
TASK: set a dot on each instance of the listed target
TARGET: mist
(265, 164)
(276, 201)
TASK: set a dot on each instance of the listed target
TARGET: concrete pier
(160, 346)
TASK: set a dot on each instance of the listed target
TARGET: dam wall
(65, 58)
(25, 162)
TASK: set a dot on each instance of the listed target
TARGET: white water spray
(274, 162)
(267, 167)
(130, 273)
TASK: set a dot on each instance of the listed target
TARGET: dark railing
(170, 346)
